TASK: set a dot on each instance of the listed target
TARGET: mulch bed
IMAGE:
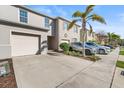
(9, 80)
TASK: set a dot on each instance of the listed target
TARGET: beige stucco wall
(90, 36)
(11, 13)
(5, 48)
(5, 39)
(70, 34)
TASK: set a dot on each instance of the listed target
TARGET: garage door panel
(24, 45)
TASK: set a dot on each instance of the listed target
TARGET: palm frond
(89, 9)
(91, 29)
(72, 24)
(84, 15)
(98, 18)
(77, 14)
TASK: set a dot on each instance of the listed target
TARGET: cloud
(52, 10)
(48, 11)
(121, 16)
(60, 11)
(42, 9)
(118, 29)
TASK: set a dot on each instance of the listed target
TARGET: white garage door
(24, 45)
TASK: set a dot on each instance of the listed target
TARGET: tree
(113, 38)
(102, 37)
(109, 37)
(85, 17)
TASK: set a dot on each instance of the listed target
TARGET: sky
(113, 15)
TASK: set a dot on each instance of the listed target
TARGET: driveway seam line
(73, 75)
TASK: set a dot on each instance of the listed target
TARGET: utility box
(4, 68)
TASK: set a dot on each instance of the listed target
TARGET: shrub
(94, 58)
(73, 53)
(65, 47)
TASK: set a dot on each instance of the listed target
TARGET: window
(74, 39)
(65, 26)
(75, 29)
(23, 16)
(47, 22)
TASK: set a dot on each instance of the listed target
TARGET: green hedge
(64, 46)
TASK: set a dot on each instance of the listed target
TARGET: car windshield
(78, 44)
(91, 44)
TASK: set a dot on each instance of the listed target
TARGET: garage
(24, 44)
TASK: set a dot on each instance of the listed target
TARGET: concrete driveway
(64, 71)
(46, 70)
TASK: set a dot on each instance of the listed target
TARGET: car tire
(70, 49)
(101, 51)
(87, 52)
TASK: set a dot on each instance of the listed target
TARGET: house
(65, 35)
(89, 36)
(102, 38)
(24, 31)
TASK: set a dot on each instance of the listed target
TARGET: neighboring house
(101, 38)
(26, 32)
(62, 33)
(89, 36)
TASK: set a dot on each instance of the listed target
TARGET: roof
(33, 11)
(10, 23)
(66, 20)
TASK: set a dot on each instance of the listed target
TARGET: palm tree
(84, 18)
(110, 37)
(113, 38)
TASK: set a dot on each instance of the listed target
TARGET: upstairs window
(75, 29)
(23, 16)
(47, 22)
(75, 40)
(65, 26)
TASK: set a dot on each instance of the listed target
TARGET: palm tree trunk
(84, 36)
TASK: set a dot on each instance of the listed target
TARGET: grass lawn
(122, 49)
(120, 64)
(121, 52)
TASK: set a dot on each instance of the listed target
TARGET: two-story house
(89, 36)
(24, 31)
(62, 34)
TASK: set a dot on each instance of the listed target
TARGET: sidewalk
(118, 81)
(98, 75)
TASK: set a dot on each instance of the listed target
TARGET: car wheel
(87, 52)
(70, 49)
(101, 51)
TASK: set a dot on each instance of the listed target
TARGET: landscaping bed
(68, 51)
(8, 81)
(79, 55)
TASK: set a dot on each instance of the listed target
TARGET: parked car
(78, 46)
(99, 49)
(109, 46)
